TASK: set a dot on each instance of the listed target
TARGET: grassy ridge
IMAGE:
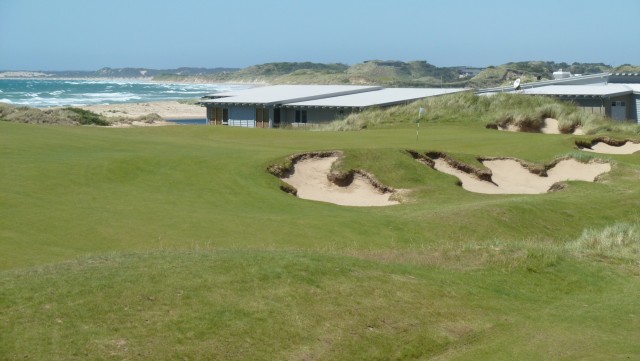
(174, 242)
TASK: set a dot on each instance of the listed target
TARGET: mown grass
(176, 243)
(266, 305)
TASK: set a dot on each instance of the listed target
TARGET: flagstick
(420, 113)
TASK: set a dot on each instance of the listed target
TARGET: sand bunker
(511, 177)
(309, 177)
(550, 127)
(602, 147)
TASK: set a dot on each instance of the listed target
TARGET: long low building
(616, 96)
(617, 101)
(301, 105)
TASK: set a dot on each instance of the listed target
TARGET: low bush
(86, 117)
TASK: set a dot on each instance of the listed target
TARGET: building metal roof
(381, 97)
(592, 79)
(283, 94)
(605, 90)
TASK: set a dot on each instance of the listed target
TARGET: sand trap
(310, 179)
(602, 147)
(510, 177)
(550, 127)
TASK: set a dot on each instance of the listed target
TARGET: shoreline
(166, 109)
(138, 80)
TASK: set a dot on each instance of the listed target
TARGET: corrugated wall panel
(637, 109)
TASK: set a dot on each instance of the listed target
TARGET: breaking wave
(43, 93)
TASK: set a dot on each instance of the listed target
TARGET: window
(262, 117)
(301, 116)
(218, 115)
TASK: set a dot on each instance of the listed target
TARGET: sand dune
(310, 179)
(165, 109)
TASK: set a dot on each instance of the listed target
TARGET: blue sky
(88, 35)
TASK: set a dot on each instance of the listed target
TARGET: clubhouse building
(616, 96)
(303, 105)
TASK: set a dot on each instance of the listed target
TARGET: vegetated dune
(550, 127)
(309, 178)
(510, 176)
(602, 147)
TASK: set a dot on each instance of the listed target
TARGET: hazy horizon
(301, 61)
(37, 35)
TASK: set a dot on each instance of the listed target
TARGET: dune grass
(525, 112)
(176, 243)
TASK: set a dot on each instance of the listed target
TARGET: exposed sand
(550, 127)
(310, 179)
(510, 177)
(166, 109)
(136, 124)
(602, 147)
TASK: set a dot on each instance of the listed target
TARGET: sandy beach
(166, 109)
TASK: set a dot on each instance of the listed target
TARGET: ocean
(43, 93)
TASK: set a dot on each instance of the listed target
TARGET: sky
(165, 34)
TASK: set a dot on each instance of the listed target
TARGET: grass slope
(174, 242)
(295, 306)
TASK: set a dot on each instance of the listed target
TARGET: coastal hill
(398, 73)
(379, 72)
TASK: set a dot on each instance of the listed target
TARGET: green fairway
(176, 243)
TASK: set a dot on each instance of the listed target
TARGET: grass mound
(62, 116)
(526, 112)
(66, 116)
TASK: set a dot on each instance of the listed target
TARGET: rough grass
(61, 116)
(620, 240)
(526, 112)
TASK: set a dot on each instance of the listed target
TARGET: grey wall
(592, 105)
(314, 116)
(242, 117)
